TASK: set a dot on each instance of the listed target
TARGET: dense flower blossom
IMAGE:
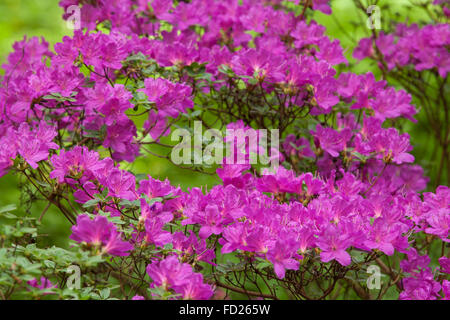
(440, 224)
(189, 246)
(261, 65)
(388, 144)
(122, 184)
(282, 255)
(101, 233)
(382, 235)
(446, 289)
(346, 185)
(445, 264)
(333, 244)
(331, 140)
(278, 182)
(154, 188)
(32, 144)
(233, 174)
(78, 163)
(169, 98)
(422, 47)
(171, 274)
(155, 233)
(420, 287)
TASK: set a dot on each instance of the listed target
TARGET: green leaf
(105, 293)
(49, 264)
(91, 203)
(130, 204)
(226, 70)
(8, 215)
(58, 97)
(263, 264)
(10, 207)
(152, 201)
(138, 57)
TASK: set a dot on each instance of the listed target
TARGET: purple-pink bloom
(99, 232)
(421, 286)
(333, 243)
(445, 264)
(42, 284)
(283, 255)
(179, 277)
(330, 140)
(169, 98)
(121, 184)
(76, 164)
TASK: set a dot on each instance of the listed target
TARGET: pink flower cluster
(357, 190)
(424, 48)
(101, 234)
(179, 277)
(421, 284)
(31, 143)
(308, 214)
(76, 87)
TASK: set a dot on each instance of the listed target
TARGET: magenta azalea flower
(421, 286)
(445, 264)
(333, 243)
(283, 255)
(179, 277)
(122, 184)
(78, 163)
(100, 233)
(330, 140)
(170, 98)
(43, 284)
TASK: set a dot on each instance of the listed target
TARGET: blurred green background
(43, 18)
(30, 18)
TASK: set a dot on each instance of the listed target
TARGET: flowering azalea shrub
(346, 195)
(416, 57)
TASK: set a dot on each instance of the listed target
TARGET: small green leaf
(8, 208)
(91, 203)
(104, 293)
